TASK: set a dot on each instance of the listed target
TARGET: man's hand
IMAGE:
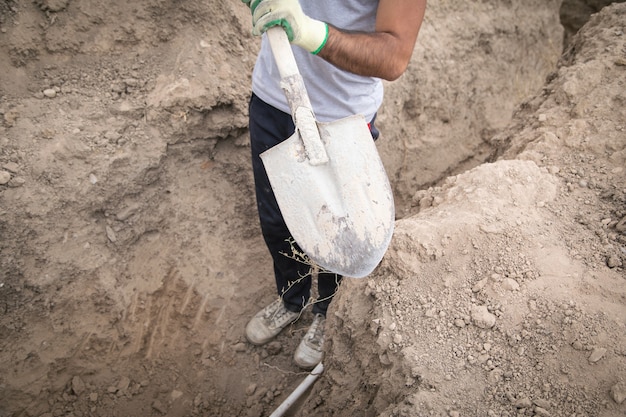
(301, 30)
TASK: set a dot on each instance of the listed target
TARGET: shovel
(329, 181)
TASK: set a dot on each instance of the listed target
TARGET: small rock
(110, 234)
(251, 389)
(618, 392)
(274, 348)
(541, 412)
(460, 323)
(118, 87)
(495, 375)
(112, 136)
(93, 397)
(17, 182)
(12, 167)
(510, 284)
(597, 354)
(123, 384)
(613, 261)
(50, 92)
(5, 177)
(523, 403)
(176, 394)
(127, 212)
(481, 317)
(131, 82)
(159, 407)
(78, 386)
(480, 285)
(240, 347)
(540, 402)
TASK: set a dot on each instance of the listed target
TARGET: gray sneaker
(267, 323)
(310, 351)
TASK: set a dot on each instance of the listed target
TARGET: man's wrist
(315, 36)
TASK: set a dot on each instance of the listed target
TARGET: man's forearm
(384, 53)
(375, 54)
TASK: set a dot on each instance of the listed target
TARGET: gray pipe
(300, 389)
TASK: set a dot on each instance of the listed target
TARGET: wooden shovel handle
(293, 85)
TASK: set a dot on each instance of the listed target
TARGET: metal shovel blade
(341, 213)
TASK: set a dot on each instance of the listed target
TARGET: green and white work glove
(301, 30)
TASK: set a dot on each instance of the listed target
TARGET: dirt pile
(505, 295)
(131, 257)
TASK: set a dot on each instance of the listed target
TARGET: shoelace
(279, 313)
(317, 331)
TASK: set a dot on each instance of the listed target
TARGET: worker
(343, 49)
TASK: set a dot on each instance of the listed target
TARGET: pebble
(159, 407)
(251, 389)
(539, 411)
(539, 402)
(523, 403)
(480, 285)
(618, 392)
(482, 318)
(12, 167)
(123, 384)
(127, 212)
(50, 92)
(176, 394)
(597, 354)
(274, 348)
(110, 234)
(112, 136)
(78, 386)
(17, 182)
(240, 347)
(5, 177)
(510, 284)
(613, 261)
(554, 170)
(495, 375)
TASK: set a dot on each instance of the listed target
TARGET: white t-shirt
(334, 93)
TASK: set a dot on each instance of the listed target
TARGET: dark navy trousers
(268, 127)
